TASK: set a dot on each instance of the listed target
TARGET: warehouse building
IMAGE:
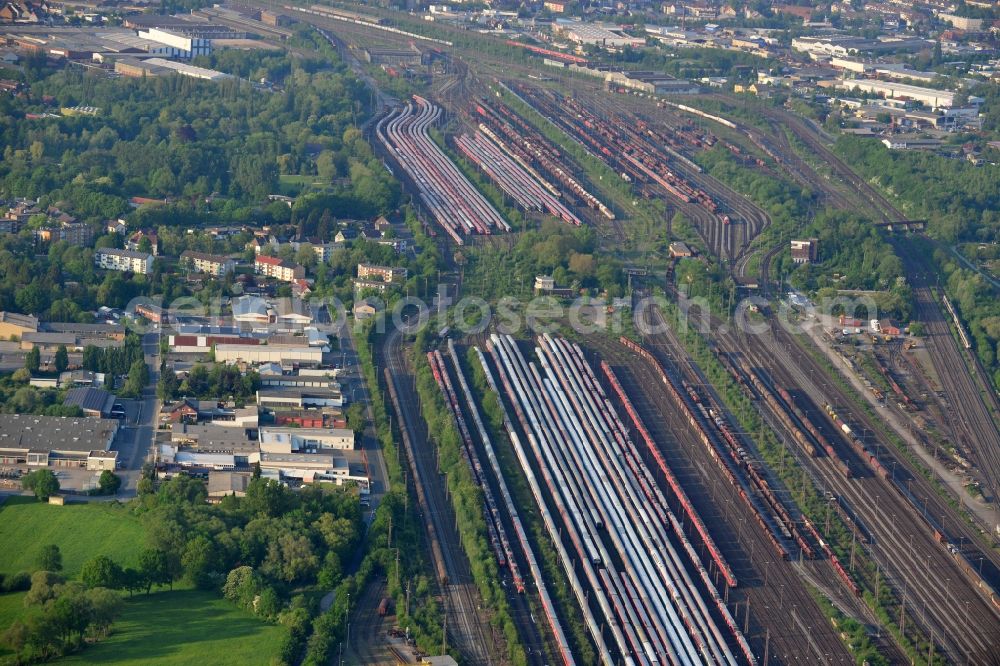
(281, 354)
(136, 68)
(14, 325)
(57, 441)
(597, 35)
(298, 398)
(651, 82)
(935, 99)
(302, 440)
(383, 56)
(92, 401)
(180, 45)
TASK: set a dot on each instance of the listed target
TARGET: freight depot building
(384, 56)
(57, 441)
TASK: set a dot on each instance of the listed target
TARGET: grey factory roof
(55, 433)
(90, 399)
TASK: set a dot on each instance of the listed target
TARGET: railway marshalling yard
(703, 497)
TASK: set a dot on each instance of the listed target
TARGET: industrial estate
(500, 333)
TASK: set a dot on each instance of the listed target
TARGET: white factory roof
(129, 38)
(189, 70)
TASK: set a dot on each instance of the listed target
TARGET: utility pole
(444, 634)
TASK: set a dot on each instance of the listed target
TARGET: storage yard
(449, 196)
(659, 603)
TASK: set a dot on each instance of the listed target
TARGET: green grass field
(80, 530)
(184, 627)
(11, 608)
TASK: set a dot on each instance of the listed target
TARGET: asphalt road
(135, 439)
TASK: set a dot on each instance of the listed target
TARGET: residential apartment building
(384, 273)
(126, 261)
(277, 268)
(213, 264)
(74, 233)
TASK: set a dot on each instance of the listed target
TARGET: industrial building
(180, 45)
(298, 398)
(651, 83)
(300, 440)
(57, 441)
(250, 353)
(805, 251)
(137, 68)
(597, 35)
(385, 56)
(935, 99)
(14, 325)
(314, 468)
(92, 401)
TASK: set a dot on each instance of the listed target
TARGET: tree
(266, 496)
(356, 417)
(166, 388)
(242, 586)
(92, 358)
(138, 376)
(32, 360)
(155, 568)
(200, 561)
(43, 588)
(105, 606)
(43, 482)
(132, 580)
(50, 558)
(109, 483)
(71, 611)
(61, 359)
(101, 571)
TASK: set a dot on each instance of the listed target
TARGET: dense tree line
(61, 616)
(217, 381)
(960, 202)
(18, 397)
(568, 254)
(853, 255)
(184, 138)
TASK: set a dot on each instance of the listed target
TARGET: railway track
(912, 560)
(655, 608)
(772, 604)
(900, 542)
(468, 630)
(972, 409)
(514, 553)
(975, 408)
